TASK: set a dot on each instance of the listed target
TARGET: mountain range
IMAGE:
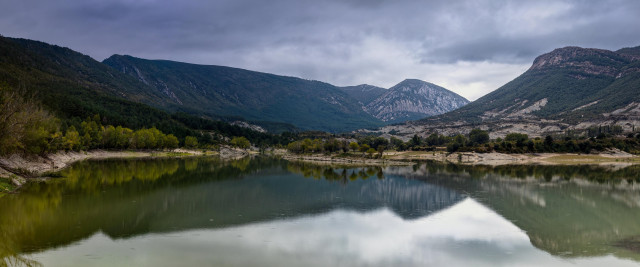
(307, 104)
(230, 92)
(137, 92)
(567, 89)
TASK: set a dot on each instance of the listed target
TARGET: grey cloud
(338, 41)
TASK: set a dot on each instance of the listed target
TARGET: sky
(470, 47)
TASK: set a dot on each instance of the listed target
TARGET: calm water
(269, 212)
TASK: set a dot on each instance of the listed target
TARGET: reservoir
(265, 211)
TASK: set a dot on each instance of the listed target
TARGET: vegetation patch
(6, 186)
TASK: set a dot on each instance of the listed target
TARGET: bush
(190, 142)
(478, 137)
(240, 142)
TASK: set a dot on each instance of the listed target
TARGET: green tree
(71, 140)
(171, 141)
(364, 148)
(24, 125)
(371, 151)
(109, 137)
(478, 137)
(123, 137)
(190, 142)
(415, 141)
(380, 150)
(143, 139)
(519, 138)
(241, 142)
(396, 143)
(548, 143)
(92, 132)
(354, 146)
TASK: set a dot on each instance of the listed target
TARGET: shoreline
(615, 158)
(16, 170)
(19, 169)
(608, 158)
(328, 160)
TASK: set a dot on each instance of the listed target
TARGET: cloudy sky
(470, 47)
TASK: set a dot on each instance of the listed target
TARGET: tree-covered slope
(255, 96)
(73, 87)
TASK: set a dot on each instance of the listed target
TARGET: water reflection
(345, 215)
(466, 234)
(343, 174)
(568, 215)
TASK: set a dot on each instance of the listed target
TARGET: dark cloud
(342, 42)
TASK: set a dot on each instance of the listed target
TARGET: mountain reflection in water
(150, 212)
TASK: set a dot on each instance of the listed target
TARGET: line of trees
(26, 127)
(370, 146)
(93, 135)
(477, 141)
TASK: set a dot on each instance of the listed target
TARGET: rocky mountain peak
(415, 86)
(414, 99)
(586, 60)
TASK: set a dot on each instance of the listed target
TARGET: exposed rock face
(412, 100)
(245, 124)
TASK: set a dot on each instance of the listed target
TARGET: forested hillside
(255, 96)
(64, 88)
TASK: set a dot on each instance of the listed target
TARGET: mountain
(224, 91)
(570, 88)
(364, 93)
(74, 86)
(414, 99)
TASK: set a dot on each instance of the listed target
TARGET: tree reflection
(556, 206)
(90, 192)
(342, 174)
(595, 173)
(568, 211)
